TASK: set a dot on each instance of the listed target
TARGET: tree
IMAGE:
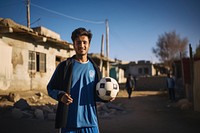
(169, 47)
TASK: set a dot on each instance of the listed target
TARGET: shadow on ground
(145, 112)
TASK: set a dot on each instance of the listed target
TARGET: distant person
(171, 87)
(129, 85)
(73, 85)
(135, 83)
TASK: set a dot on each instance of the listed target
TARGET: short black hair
(81, 32)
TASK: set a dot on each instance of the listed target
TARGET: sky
(134, 25)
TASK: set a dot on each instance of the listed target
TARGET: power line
(84, 20)
(35, 21)
(67, 16)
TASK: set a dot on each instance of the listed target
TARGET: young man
(73, 84)
(129, 85)
(170, 86)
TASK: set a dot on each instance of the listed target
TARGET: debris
(22, 104)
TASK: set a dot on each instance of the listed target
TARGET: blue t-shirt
(82, 112)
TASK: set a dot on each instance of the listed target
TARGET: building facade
(29, 56)
(139, 69)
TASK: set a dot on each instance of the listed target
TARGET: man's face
(81, 45)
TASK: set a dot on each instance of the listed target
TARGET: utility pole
(107, 48)
(191, 96)
(28, 13)
(101, 55)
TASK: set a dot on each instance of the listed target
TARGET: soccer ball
(107, 88)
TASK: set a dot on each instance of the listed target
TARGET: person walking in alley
(135, 83)
(170, 86)
(73, 85)
(129, 85)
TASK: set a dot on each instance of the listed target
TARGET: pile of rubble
(42, 107)
(183, 104)
(108, 110)
(37, 106)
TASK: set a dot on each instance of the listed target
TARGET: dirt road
(151, 112)
(145, 112)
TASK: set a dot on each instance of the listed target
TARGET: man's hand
(66, 99)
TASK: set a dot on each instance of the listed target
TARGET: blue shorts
(81, 130)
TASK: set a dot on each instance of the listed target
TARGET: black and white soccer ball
(107, 88)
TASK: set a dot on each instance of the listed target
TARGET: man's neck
(81, 58)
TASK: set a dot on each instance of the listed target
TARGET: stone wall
(149, 83)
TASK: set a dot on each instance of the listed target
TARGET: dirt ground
(145, 112)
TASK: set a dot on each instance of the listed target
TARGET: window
(140, 70)
(32, 59)
(146, 70)
(41, 62)
(37, 62)
(59, 59)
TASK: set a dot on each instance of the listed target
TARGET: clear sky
(134, 25)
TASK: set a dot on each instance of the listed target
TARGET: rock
(39, 114)
(22, 104)
(105, 108)
(184, 104)
(104, 115)
(16, 113)
(13, 97)
(113, 106)
(51, 116)
(27, 114)
(47, 109)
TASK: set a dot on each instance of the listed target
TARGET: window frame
(37, 62)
